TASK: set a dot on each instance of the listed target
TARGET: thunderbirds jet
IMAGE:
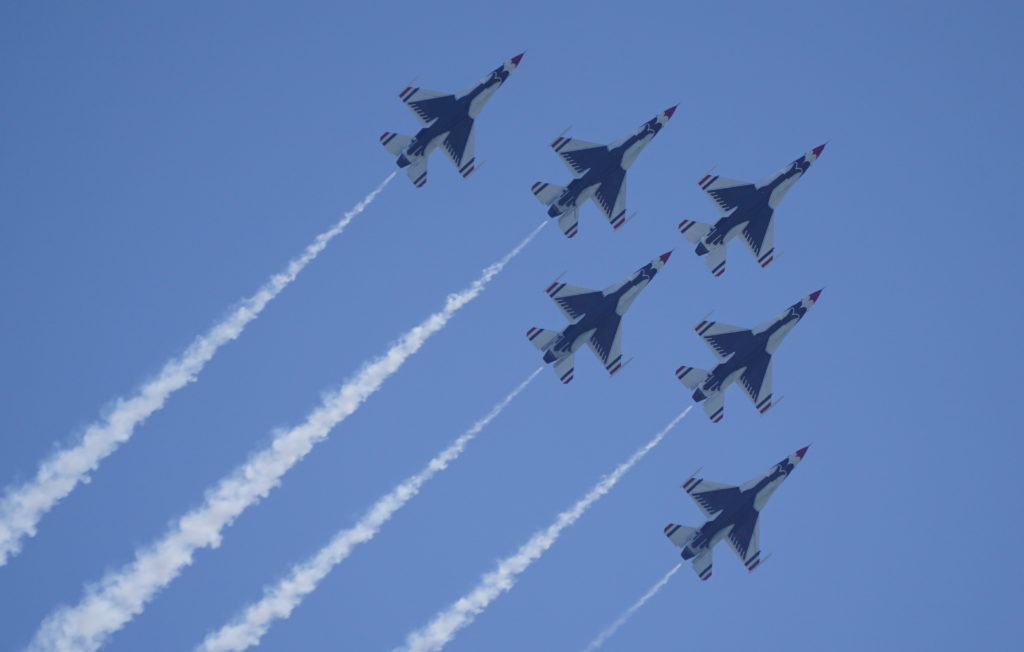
(447, 121)
(596, 317)
(747, 209)
(744, 355)
(732, 515)
(600, 174)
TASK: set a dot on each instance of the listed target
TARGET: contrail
(440, 631)
(628, 613)
(121, 595)
(281, 600)
(22, 507)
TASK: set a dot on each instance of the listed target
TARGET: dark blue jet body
(452, 116)
(603, 167)
(750, 351)
(752, 205)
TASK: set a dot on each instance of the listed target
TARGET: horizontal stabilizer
(702, 565)
(569, 222)
(395, 143)
(715, 259)
(714, 406)
(541, 337)
(417, 172)
(694, 231)
(564, 368)
(546, 192)
(692, 377)
(679, 534)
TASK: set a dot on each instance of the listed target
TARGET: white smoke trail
(440, 631)
(121, 595)
(24, 506)
(281, 600)
(628, 613)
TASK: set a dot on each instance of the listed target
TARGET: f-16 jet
(596, 317)
(447, 122)
(599, 173)
(744, 355)
(747, 209)
(732, 514)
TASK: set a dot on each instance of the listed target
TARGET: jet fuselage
(717, 528)
(618, 158)
(757, 345)
(759, 205)
(426, 138)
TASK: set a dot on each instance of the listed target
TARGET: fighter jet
(732, 515)
(600, 174)
(447, 121)
(596, 317)
(747, 209)
(744, 355)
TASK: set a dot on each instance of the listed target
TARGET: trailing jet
(596, 317)
(447, 122)
(600, 174)
(745, 355)
(747, 209)
(732, 514)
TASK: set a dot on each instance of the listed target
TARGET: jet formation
(595, 320)
(448, 122)
(732, 514)
(745, 355)
(599, 173)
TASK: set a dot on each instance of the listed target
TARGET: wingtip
(664, 257)
(670, 111)
(519, 57)
(803, 451)
(818, 150)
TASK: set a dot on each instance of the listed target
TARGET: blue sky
(159, 163)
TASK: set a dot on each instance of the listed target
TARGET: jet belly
(627, 298)
(630, 153)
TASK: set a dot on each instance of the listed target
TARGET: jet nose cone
(669, 112)
(814, 296)
(519, 57)
(803, 451)
(818, 150)
(664, 257)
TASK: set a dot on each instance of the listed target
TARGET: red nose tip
(664, 257)
(803, 451)
(818, 150)
(516, 59)
(669, 112)
(814, 295)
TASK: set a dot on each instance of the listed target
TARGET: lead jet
(744, 355)
(596, 317)
(447, 122)
(732, 514)
(747, 209)
(600, 174)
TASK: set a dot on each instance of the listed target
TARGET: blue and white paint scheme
(744, 355)
(747, 209)
(596, 320)
(732, 514)
(599, 173)
(447, 122)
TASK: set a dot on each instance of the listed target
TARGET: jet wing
(744, 539)
(427, 105)
(573, 301)
(726, 193)
(611, 197)
(579, 155)
(724, 339)
(606, 343)
(459, 147)
(756, 381)
(711, 497)
(760, 239)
